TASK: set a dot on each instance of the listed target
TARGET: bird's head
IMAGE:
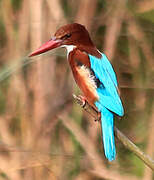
(71, 34)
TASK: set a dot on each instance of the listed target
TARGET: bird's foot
(98, 118)
(81, 99)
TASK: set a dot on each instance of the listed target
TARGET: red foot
(99, 117)
(83, 99)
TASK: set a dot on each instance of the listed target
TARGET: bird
(94, 75)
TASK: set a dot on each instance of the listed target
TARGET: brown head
(71, 34)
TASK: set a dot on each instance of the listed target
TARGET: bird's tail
(108, 133)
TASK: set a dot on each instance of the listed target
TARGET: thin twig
(124, 140)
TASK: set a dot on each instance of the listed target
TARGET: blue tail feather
(108, 133)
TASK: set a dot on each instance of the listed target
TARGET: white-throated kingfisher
(94, 75)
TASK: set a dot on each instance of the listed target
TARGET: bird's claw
(81, 99)
(98, 118)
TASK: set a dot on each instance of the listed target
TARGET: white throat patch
(69, 48)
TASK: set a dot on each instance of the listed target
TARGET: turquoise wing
(108, 90)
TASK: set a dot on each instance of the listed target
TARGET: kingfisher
(93, 74)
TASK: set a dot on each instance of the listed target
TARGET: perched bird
(94, 75)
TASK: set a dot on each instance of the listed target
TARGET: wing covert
(108, 94)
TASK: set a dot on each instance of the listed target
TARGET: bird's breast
(86, 82)
(83, 75)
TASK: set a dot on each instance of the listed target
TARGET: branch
(124, 140)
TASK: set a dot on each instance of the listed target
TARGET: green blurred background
(43, 133)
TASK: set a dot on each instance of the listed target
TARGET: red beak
(51, 44)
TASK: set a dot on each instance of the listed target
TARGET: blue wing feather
(107, 92)
(108, 102)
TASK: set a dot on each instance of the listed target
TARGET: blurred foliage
(16, 4)
(3, 35)
(148, 16)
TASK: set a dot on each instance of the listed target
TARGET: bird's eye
(66, 36)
